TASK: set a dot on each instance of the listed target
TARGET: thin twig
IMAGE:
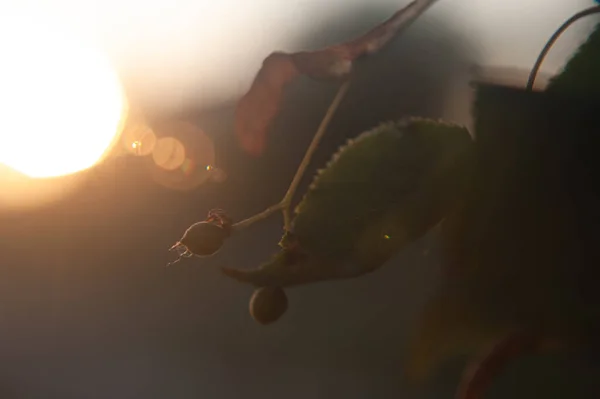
(553, 39)
(369, 43)
(287, 199)
(286, 202)
(258, 217)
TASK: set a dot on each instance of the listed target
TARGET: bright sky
(204, 52)
(211, 49)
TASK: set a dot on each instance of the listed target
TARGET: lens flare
(184, 156)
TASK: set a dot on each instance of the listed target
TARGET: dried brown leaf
(258, 107)
(261, 103)
(479, 375)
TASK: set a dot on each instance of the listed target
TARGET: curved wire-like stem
(553, 39)
(285, 204)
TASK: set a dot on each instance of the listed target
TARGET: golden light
(137, 138)
(169, 153)
(61, 102)
(183, 158)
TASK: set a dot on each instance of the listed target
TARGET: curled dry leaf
(261, 103)
(481, 372)
(258, 107)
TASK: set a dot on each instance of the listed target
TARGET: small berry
(268, 304)
(204, 238)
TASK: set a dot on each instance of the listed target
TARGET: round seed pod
(204, 238)
(268, 304)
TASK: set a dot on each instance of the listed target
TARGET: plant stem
(403, 18)
(287, 199)
(258, 217)
(286, 202)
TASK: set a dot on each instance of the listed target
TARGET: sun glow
(61, 102)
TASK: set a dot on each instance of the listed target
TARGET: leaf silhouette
(356, 214)
(257, 108)
(519, 252)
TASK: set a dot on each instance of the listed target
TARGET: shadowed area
(88, 309)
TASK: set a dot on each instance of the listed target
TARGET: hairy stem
(287, 199)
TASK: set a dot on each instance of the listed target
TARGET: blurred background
(88, 308)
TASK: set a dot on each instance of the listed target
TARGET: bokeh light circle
(168, 153)
(184, 155)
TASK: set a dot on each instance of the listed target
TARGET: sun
(61, 101)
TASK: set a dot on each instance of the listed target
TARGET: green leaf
(374, 180)
(380, 191)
